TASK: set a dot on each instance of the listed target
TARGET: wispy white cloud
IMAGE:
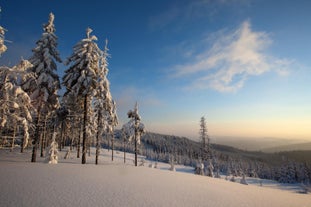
(232, 59)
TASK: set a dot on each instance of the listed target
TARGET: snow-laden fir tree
(104, 106)
(204, 140)
(205, 147)
(52, 151)
(134, 129)
(15, 104)
(43, 91)
(81, 77)
(3, 48)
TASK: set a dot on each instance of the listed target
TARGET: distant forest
(285, 167)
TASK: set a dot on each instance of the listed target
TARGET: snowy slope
(114, 184)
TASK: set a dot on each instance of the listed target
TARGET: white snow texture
(116, 184)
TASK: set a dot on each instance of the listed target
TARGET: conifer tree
(105, 107)
(43, 91)
(3, 47)
(53, 152)
(204, 140)
(134, 129)
(80, 78)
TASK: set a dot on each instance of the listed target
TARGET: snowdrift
(70, 183)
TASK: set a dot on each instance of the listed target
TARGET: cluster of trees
(32, 108)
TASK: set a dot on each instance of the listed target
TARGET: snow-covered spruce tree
(3, 48)
(15, 104)
(204, 140)
(205, 147)
(81, 77)
(134, 129)
(44, 92)
(53, 152)
(104, 106)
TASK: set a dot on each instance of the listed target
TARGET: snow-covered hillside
(70, 183)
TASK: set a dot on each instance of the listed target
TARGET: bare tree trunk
(84, 131)
(124, 149)
(79, 142)
(135, 138)
(22, 145)
(36, 139)
(60, 141)
(72, 136)
(97, 136)
(13, 138)
(108, 141)
(43, 139)
(112, 146)
(89, 147)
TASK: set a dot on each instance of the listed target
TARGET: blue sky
(243, 64)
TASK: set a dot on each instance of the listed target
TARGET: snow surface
(70, 183)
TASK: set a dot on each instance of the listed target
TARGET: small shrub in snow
(53, 152)
(172, 164)
(199, 170)
(243, 180)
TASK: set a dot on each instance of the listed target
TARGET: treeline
(285, 167)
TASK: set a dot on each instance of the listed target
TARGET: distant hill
(290, 147)
(265, 144)
(160, 147)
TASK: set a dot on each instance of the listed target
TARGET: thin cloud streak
(231, 60)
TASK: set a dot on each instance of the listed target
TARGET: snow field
(70, 183)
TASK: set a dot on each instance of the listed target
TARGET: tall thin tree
(204, 140)
(43, 91)
(134, 129)
(80, 78)
(105, 108)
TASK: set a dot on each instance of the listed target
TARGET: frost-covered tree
(204, 140)
(81, 77)
(15, 104)
(104, 106)
(3, 48)
(134, 129)
(53, 152)
(43, 91)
